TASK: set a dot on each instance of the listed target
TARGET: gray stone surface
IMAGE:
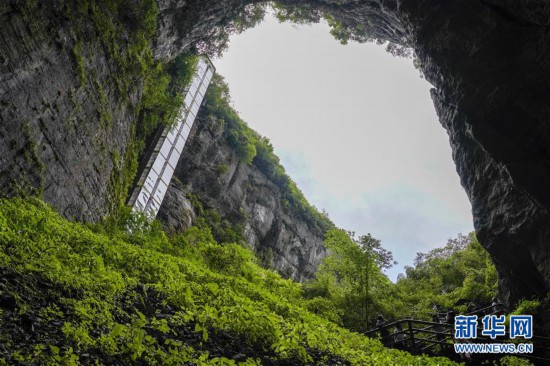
(241, 194)
(52, 140)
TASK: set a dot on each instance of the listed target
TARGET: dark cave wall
(489, 66)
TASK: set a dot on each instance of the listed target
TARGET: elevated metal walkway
(162, 157)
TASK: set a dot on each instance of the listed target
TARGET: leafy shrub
(325, 308)
(229, 259)
(111, 291)
(527, 307)
(222, 169)
(237, 20)
(460, 272)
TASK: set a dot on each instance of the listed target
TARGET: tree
(459, 272)
(376, 257)
(351, 276)
(381, 256)
(216, 41)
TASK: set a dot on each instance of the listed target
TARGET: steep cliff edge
(210, 171)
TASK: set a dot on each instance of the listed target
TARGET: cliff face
(488, 61)
(210, 170)
(489, 64)
(61, 119)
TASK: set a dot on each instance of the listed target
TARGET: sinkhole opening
(355, 128)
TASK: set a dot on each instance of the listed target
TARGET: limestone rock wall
(210, 170)
(55, 138)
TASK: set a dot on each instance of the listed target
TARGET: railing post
(411, 333)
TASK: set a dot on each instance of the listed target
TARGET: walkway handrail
(443, 333)
(483, 310)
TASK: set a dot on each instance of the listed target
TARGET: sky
(356, 129)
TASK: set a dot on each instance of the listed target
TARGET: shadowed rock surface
(488, 61)
(489, 64)
(60, 130)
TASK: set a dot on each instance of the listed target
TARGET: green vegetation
(527, 307)
(236, 21)
(97, 295)
(351, 277)
(162, 94)
(342, 30)
(77, 53)
(251, 148)
(105, 117)
(222, 169)
(452, 276)
(222, 230)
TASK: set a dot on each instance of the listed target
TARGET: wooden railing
(437, 339)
